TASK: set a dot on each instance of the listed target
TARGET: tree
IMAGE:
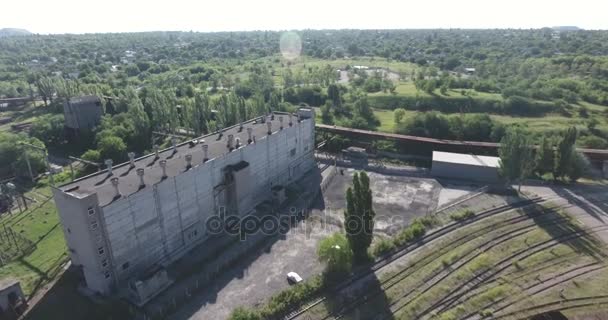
(112, 147)
(579, 166)
(336, 253)
(398, 115)
(326, 116)
(516, 156)
(544, 156)
(48, 128)
(46, 88)
(359, 216)
(563, 156)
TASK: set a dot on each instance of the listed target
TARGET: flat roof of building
(468, 159)
(7, 283)
(129, 181)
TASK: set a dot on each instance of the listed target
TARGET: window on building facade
(292, 152)
(107, 274)
(104, 263)
(91, 211)
(125, 266)
(101, 250)
(94, 225)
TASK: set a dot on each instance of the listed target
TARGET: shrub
(486, 313)
(413, 232)
(462, 215)
(383, 246)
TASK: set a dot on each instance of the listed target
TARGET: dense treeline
(201, 82)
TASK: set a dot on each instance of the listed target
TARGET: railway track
(505, 263)
(436, 234)
(557, 305)
(404, 273)
(536, 288)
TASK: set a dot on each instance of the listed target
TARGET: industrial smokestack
(281, 122)
(131, 158)
(174, 144)
(109, 166)
(237, 143)
(290, 120)
(249, 132)
(269, 125)
(205, 152)
(230, 142)
(188, 161)
(163, 165)
(115, 184)
(140, 173)
(156, 156)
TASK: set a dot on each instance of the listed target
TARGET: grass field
(41, 225)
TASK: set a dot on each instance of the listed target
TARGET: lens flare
(290, 45)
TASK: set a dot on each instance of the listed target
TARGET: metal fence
(13, 245)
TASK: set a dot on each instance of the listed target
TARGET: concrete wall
(83, 232)
(464, 172)
(4, 296)
(162, 222)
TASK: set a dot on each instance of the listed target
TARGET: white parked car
(293, 278)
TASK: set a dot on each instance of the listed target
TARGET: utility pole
(46, 159)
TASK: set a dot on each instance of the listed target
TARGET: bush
(462, 215)
(413, 232)
(383, 246)
(486, 313)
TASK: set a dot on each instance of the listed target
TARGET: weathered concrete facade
(118, 231)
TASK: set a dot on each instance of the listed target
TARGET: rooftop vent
(269, 124)
(131, 159)
(115, 184)
(237, 143)
(140, 173)
(249, 132)
(281, 122)
(156, 151)
(230, 142)
(108, 164)
(241, 127)
(163, 165)
(188, 161)
(262, 119)
(272, 115)
(290, 120)
(205, 152)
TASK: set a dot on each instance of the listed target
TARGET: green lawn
(39, 224)
(533, 124)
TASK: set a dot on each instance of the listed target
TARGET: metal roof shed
(465, 166)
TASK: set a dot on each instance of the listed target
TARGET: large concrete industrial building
(125, 224)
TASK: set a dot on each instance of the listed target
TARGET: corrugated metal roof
(468, 159)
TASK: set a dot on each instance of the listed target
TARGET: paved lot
(397, 199)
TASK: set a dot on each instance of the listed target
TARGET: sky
(86, 16)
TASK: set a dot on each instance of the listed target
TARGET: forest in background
(460, 84)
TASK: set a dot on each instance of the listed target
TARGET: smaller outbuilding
(82, 113)
(12, 300)
(465, 167)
